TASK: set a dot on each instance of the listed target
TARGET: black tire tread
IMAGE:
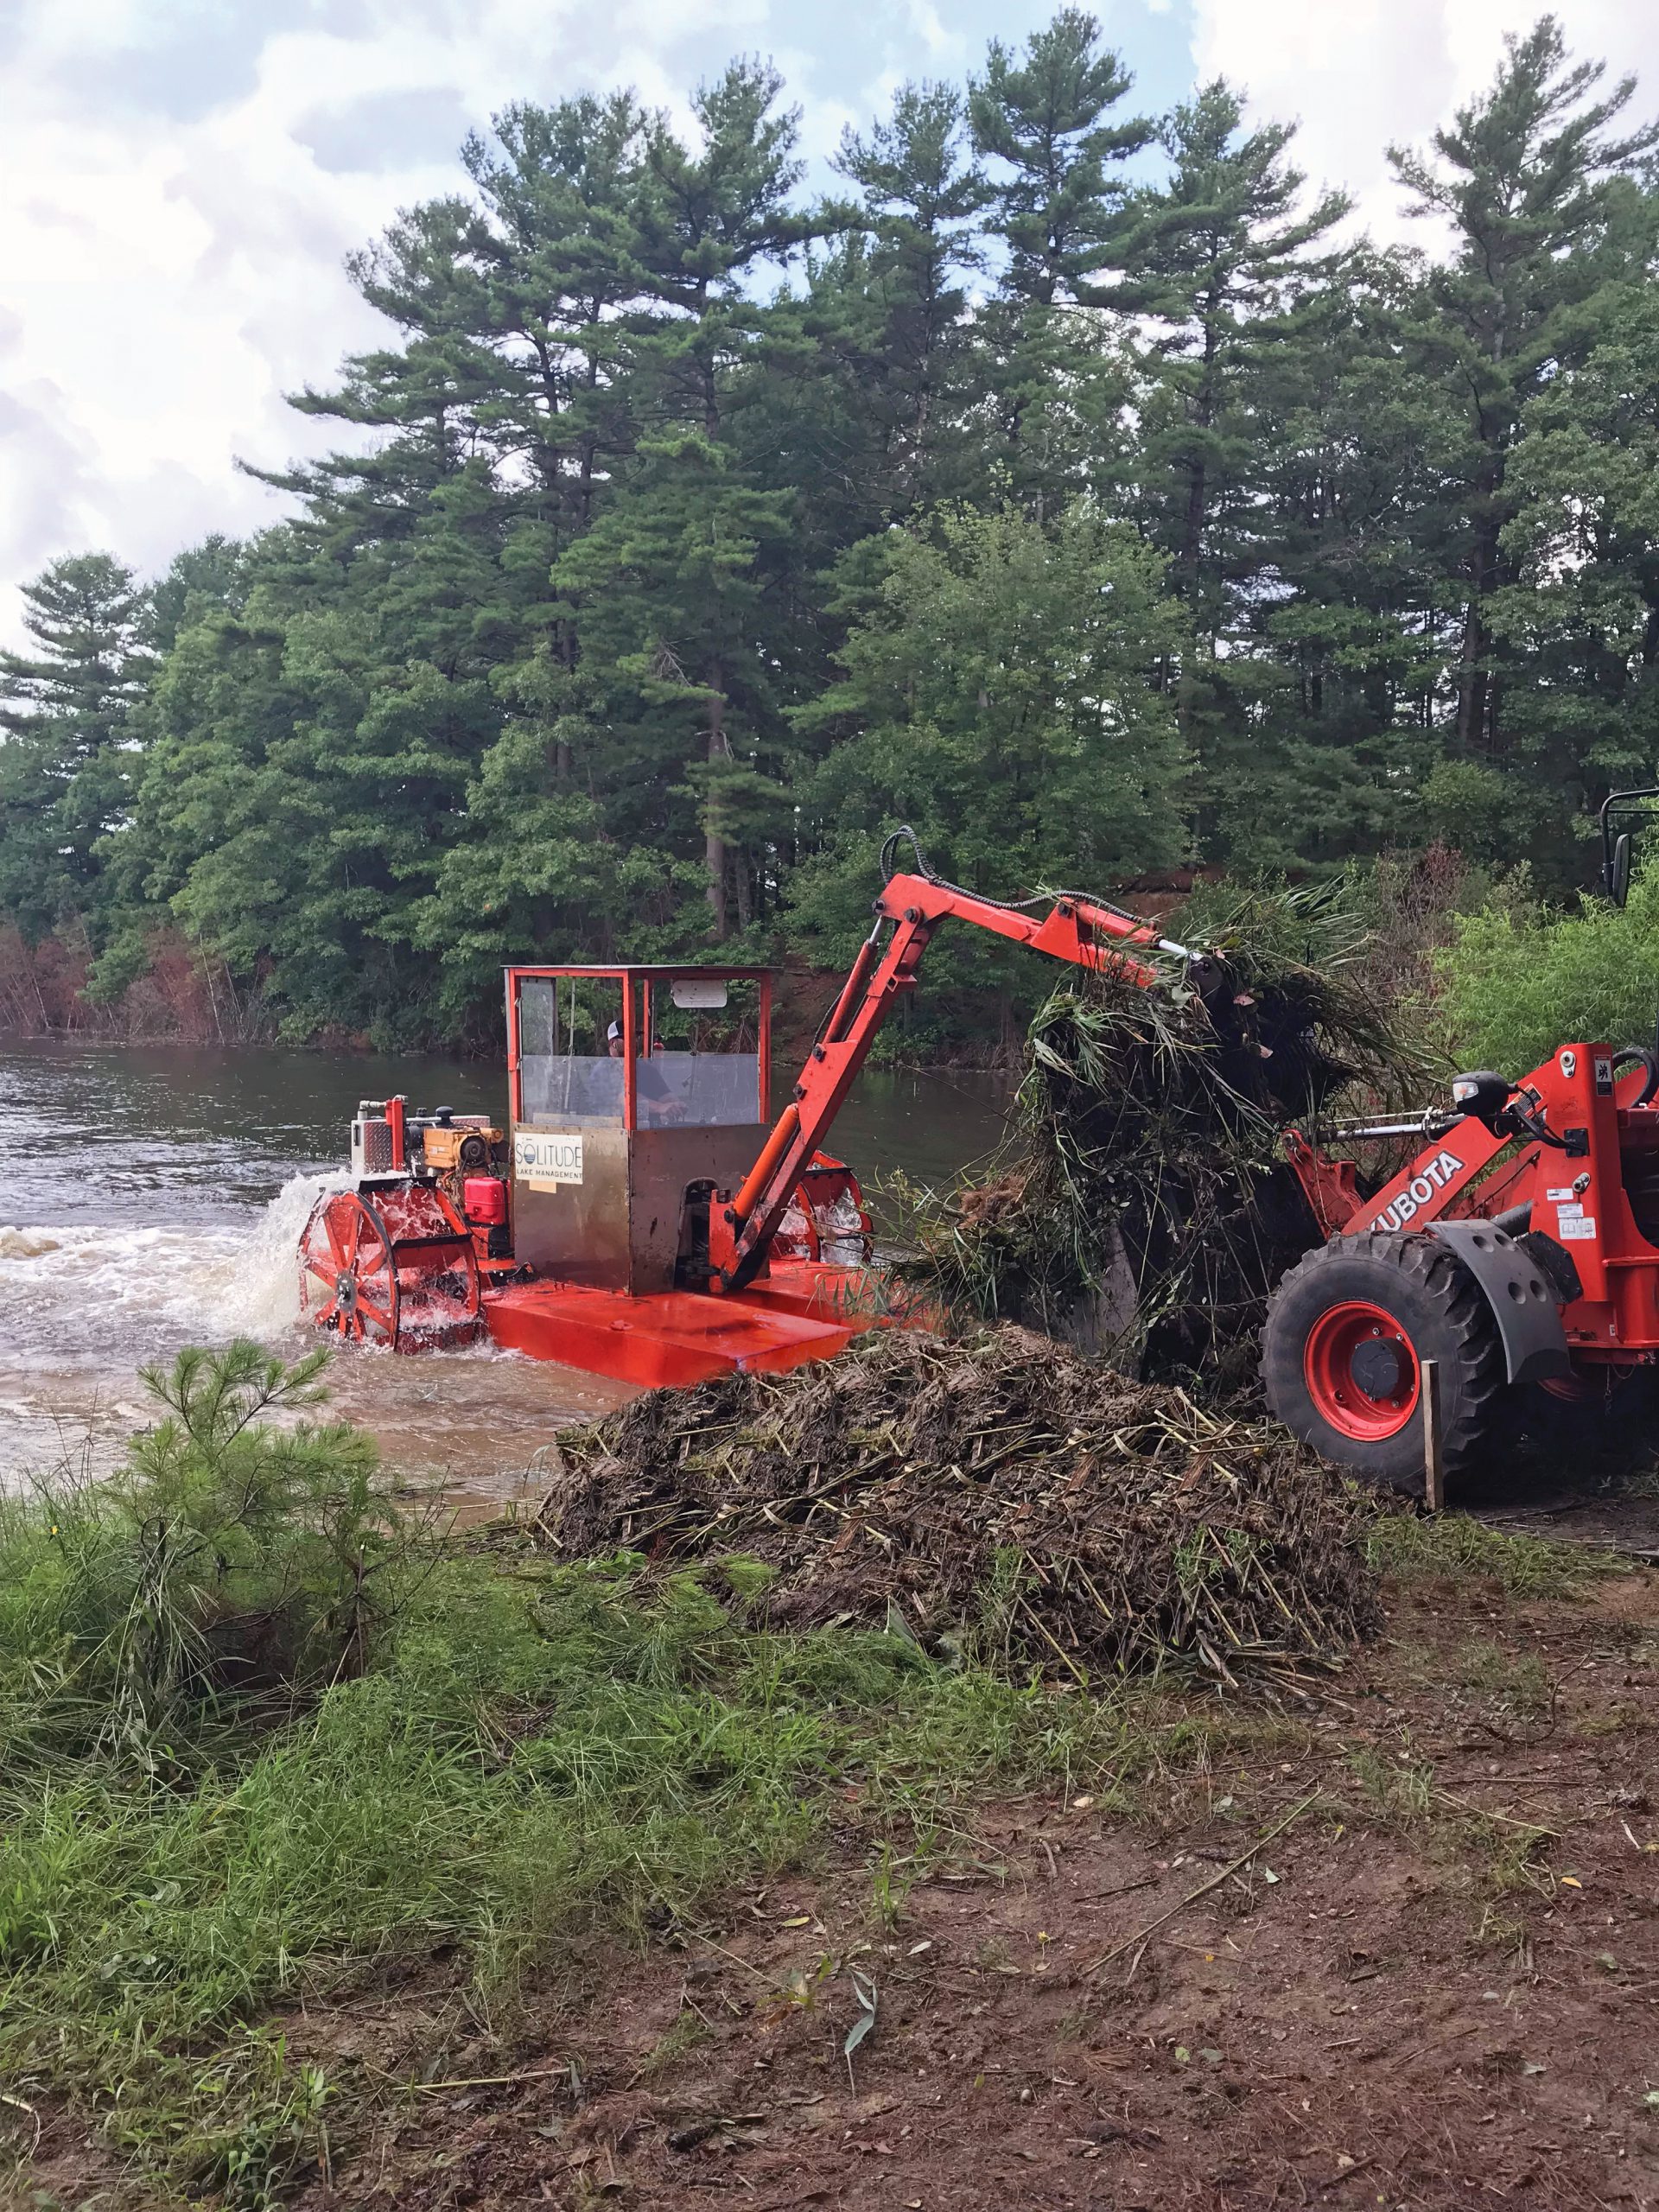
(1440, 1276)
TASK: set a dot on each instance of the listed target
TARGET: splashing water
(85, 1307)
(81, 1290)
(263, 1290)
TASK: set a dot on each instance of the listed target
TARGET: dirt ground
(1433, 1984)
(1408, 1996)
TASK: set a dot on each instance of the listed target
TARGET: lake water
(154, 1198)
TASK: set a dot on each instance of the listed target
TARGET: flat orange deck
(802, 1311)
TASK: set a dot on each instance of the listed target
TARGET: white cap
(613, 1033)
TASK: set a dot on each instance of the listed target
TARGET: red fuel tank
(485, 1199)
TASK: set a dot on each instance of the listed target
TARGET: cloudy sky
(180, 180)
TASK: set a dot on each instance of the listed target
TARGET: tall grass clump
(1455, 1547)
(269, 1747)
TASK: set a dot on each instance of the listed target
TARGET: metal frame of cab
(637, 1021)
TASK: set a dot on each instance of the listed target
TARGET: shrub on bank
(231, 1561)
(1519, 980)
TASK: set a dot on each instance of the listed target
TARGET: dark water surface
(154, 1198)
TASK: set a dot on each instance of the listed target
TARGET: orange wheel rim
(347, 1253)
(1361, 1371)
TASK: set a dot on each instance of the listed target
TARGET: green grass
(519, 1756)
(1410, 1548)
(1518, 1682)
(531, 1761)
(1492, 1855)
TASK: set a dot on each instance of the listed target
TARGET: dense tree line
(1068, 483)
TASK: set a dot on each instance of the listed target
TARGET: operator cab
(633, 1089)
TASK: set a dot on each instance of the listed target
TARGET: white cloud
(1358, 74)
(166, 277)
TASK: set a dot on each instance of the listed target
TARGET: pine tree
(922, 199)
(1044, 118)
(1532, 183)
(202, 577)
(563, 282)
(672, 610)
(666, 576)
(68, 710)
(1215, 261)
(712, 217)
(1218, 264)
(1052, 364)
(1580, 620)
(1344, 513)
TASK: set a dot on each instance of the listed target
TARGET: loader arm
(1087, 933)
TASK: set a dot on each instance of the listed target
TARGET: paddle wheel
(397, 1269)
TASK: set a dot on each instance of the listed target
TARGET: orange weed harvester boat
(635, 1216)
(578, 1230)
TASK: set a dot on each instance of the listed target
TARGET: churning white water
(83, 1305)
(84, 1308)
(81, 1287)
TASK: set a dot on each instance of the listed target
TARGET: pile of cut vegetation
(999, 1491)
(1141, 1206)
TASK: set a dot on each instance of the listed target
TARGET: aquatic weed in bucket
(1140, 1206)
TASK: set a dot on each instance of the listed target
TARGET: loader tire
(1347, 1331)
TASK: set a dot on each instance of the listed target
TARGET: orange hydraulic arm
(1085, 932)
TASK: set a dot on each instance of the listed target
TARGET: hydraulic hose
(1647, 1061)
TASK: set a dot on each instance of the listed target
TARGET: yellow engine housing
(467, 1147)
